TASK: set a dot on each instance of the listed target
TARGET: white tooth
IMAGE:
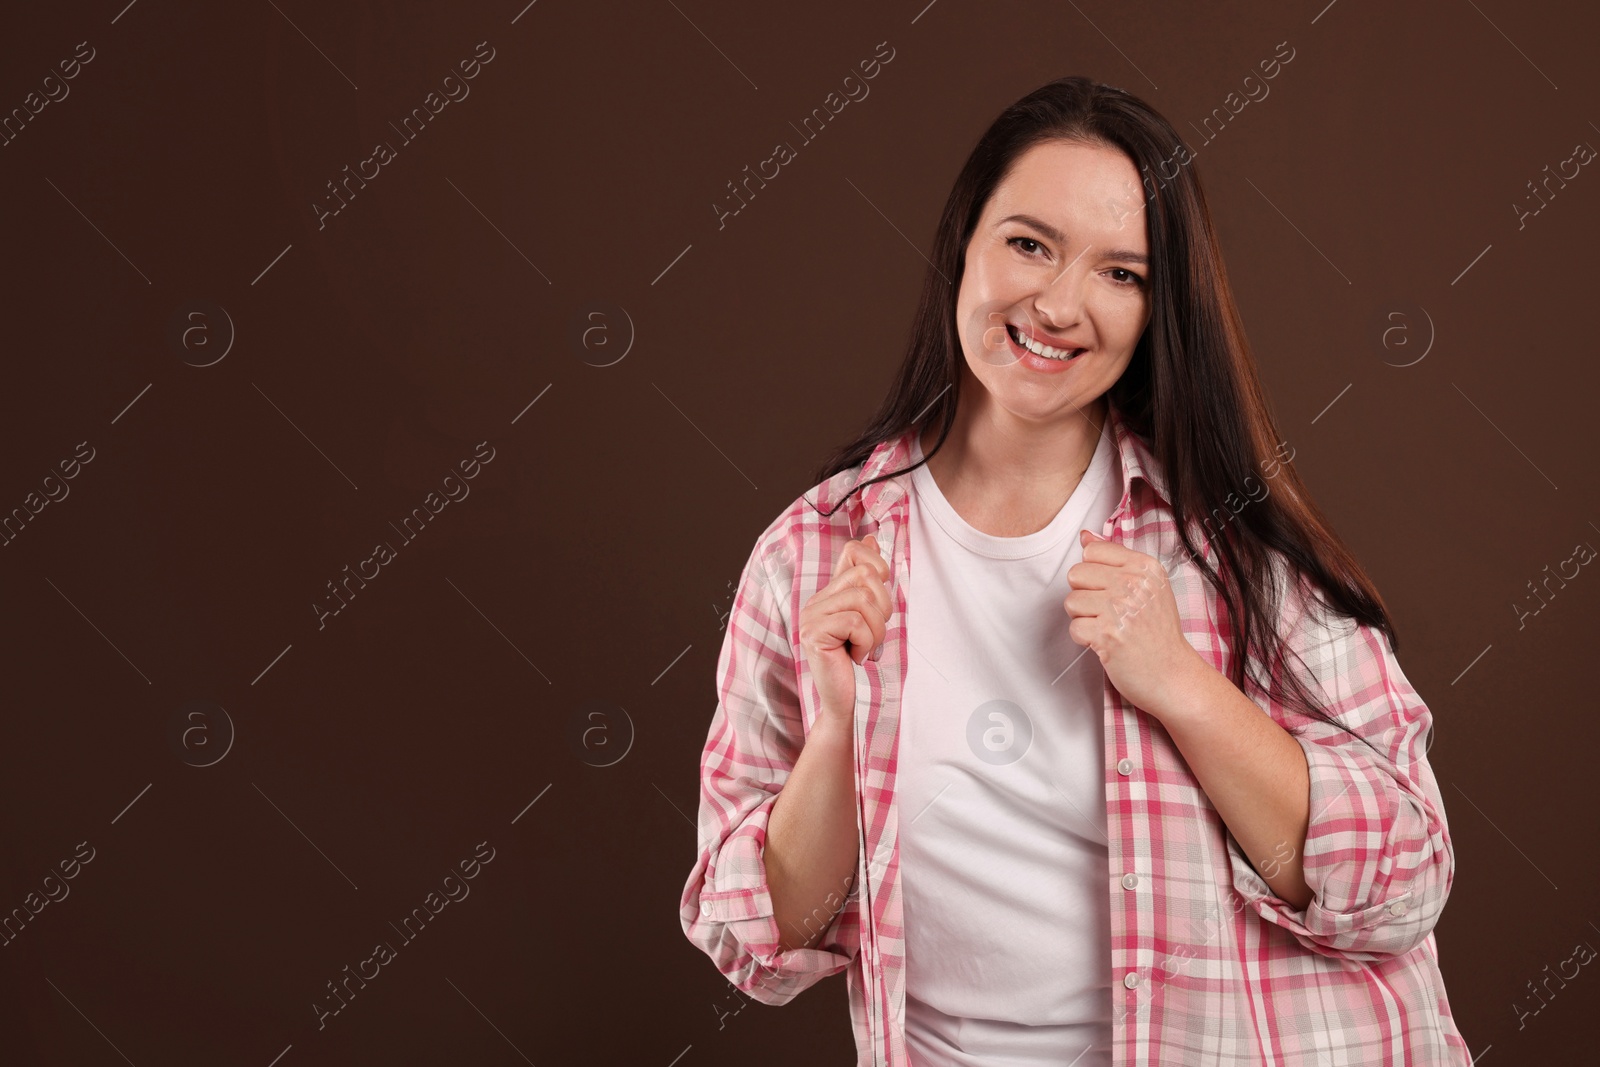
(1040, 349)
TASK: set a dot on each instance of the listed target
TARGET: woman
(1216, 840)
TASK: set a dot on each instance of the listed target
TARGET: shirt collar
(1137, 461)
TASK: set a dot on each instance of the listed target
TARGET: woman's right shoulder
(820, 517)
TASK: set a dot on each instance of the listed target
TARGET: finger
(854, 554)
(867, 551)
(860, 591)
(1085, 603)
(838, 628)
(863, 634)
(854, 568)
(849, 573)
(1103, 551)
(866, 633)
(841, 566)
(873, 584)
(1088, 575)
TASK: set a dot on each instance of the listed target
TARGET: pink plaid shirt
(1208, 966)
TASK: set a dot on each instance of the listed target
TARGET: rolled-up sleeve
(1377, 854)
(756, 734)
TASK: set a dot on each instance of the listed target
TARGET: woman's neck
(1008, 477)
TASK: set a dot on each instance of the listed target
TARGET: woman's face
(1059, 257)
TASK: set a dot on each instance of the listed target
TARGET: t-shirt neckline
(1066, 521)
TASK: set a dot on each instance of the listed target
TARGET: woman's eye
(1028, 247)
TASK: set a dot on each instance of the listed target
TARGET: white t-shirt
(1001, 791)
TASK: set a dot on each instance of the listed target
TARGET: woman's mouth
(1041, 351)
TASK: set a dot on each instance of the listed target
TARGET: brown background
(594, 555)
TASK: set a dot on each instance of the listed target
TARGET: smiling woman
(1218, 839)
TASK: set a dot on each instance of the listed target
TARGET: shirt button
(1125, 766)
(1131, 881)
(1130, 979)
(705, 909)
(1398, 908)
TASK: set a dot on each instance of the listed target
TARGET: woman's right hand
(842, 623)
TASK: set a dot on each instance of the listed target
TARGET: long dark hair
(1191, 391)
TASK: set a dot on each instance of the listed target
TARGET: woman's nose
(1062, 299)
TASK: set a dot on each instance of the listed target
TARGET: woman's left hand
(1122, 606)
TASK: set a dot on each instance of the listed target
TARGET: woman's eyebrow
(1125, 254)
